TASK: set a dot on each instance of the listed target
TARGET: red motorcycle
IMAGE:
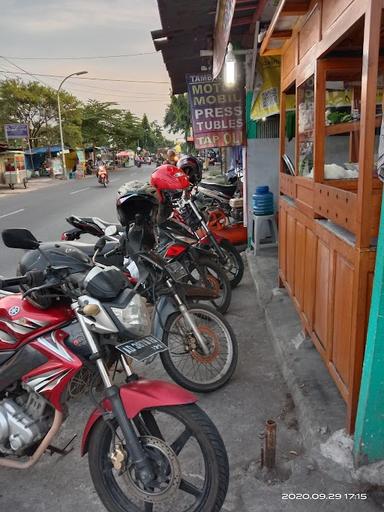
(148, 443)
(169, 181)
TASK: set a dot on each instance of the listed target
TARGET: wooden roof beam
(245, 20)
(255, 17)
(240, 6)
(297, 9)
(282, 34)
(271, 28)
(245, 7)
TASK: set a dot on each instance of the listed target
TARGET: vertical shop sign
(224, 15)
(217, 112)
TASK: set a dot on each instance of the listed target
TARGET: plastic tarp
(42, 150)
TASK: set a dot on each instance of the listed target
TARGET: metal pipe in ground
(269, 454)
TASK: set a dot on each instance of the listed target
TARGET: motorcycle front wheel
(188, 458)
(186, 363)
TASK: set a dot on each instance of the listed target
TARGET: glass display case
(305, 127)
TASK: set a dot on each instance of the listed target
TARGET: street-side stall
(12, 169)
(330, 195)
(39, 160)
(124, 157)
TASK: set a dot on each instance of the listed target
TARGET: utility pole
(78, 73)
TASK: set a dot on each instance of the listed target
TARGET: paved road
(44, 211)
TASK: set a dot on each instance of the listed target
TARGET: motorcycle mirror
(19, 238)
(110, 230)
(100, 244)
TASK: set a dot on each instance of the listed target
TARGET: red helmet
(169, 177)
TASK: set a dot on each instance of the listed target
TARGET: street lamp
(78, 73)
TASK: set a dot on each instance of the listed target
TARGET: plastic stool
(257, 230)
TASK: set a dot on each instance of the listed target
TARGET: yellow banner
(266, 97)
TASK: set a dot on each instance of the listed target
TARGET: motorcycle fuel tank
(20, 320)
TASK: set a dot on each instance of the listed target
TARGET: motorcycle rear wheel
(234, 265)
(186, 364)
(209, 274)
(189, 459)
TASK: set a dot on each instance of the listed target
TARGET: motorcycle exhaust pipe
(15, 464)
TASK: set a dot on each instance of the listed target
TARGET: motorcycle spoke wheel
(234, 265)
(184, 360)
(209, 275)
(187, 456)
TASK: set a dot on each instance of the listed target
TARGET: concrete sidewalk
(257, 392)
(320, 409)
(33, 184)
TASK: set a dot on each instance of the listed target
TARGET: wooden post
(371, 46)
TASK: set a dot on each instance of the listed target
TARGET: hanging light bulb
(230, 67)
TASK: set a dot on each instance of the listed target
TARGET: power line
(93, 78)
(22, 69)
(98, 88)
(133, 97)
(88, 57)
(88, 87)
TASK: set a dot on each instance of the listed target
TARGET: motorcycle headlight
(134, 316)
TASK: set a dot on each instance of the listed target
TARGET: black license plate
(142, 348)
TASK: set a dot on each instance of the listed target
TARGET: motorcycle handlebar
(31, 278)
(13, 281)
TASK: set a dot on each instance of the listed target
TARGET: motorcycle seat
(227, 190)
(104, 223)
(88, 248)
(78, 222)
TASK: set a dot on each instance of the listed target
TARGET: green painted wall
(369, 428)
(251, 125)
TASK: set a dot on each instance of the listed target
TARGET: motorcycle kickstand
(61, 451)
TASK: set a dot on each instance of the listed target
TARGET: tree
(159, 140)
(98, 120)
(35, 104)
(177, 115)
(106, 125)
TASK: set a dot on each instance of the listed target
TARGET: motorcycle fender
(163, 309)
(137, 396)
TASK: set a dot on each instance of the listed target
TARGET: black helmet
(193, 167)
(135, 198)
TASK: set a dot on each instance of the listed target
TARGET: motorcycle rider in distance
(171, 157)
(101, 170)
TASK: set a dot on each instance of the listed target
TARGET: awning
(123, 154)
(43, 149)
(188, 27)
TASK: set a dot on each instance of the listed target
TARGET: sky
(86, 28)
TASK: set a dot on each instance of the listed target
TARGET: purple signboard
(16, 131)
(217, 112)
